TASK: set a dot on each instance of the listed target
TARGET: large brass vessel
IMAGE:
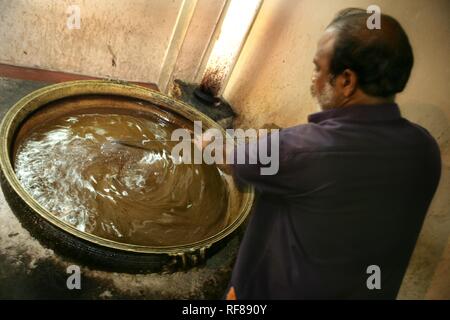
(84, 97)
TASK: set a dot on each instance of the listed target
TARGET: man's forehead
(326, 43)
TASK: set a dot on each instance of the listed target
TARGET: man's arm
(261, 163)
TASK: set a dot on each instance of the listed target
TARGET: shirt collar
(359, 113)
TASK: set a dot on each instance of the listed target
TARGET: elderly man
(341, 217)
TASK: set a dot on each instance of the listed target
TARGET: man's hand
(201, 142)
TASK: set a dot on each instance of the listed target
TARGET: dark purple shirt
(352, 190)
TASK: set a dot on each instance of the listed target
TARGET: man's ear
(349, 82)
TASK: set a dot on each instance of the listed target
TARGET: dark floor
(30, 271)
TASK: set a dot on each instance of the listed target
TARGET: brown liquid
(130, 195)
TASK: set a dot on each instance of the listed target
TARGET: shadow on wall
(434, 120)
(428, 260)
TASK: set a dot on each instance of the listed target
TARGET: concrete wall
(270, 84)
(34, 34)
(136, 40)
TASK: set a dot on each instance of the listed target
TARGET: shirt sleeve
(263, 163)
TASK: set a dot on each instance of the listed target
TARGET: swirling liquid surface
(75, 169)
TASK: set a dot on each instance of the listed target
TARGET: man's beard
(325, 98)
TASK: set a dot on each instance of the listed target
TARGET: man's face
(321, 88)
